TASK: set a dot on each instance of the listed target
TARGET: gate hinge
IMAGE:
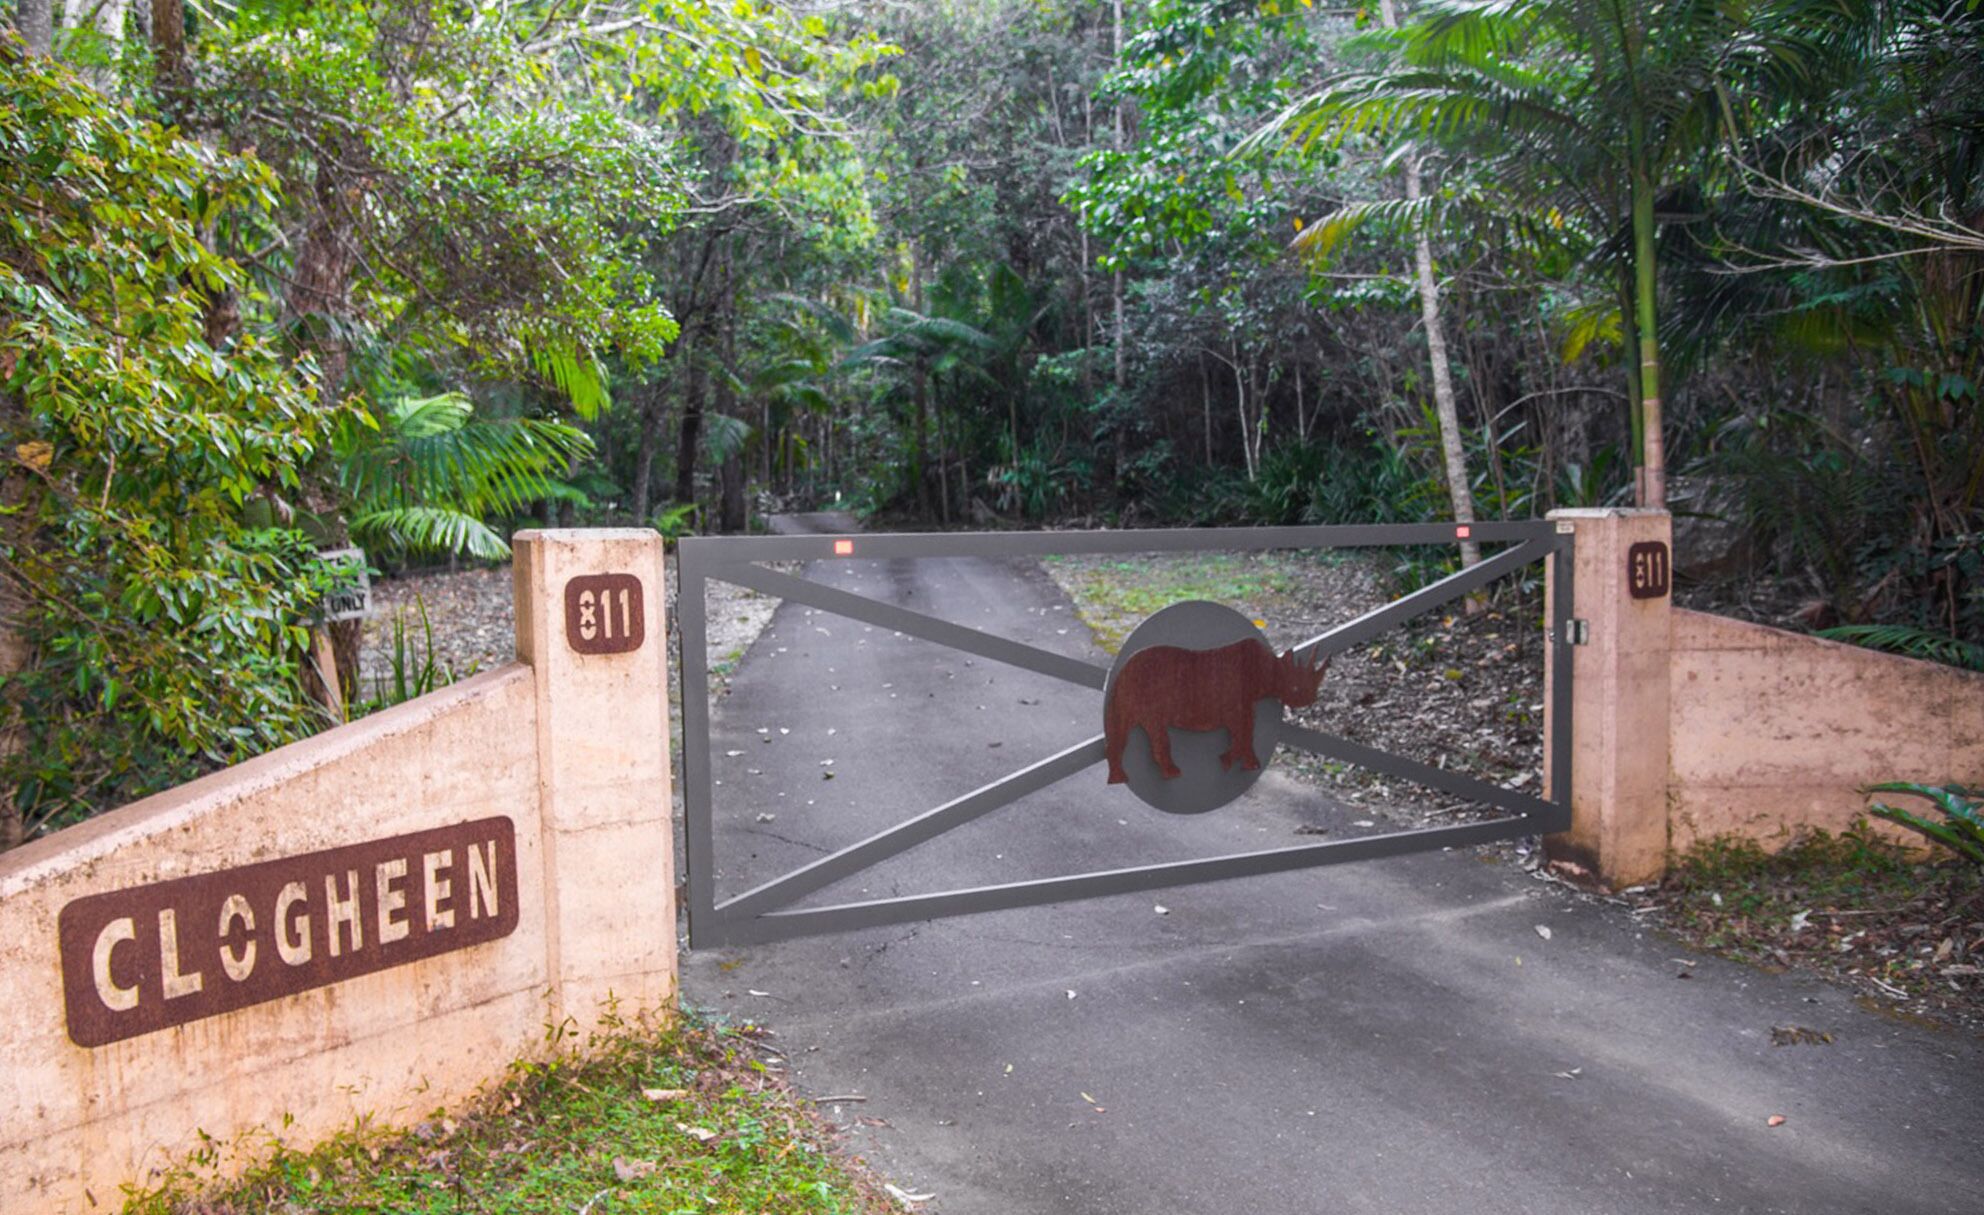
(1577, 632)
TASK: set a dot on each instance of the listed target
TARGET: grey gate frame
(765, 913)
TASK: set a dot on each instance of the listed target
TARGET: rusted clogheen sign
(151, 957)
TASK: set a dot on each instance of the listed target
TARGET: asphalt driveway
(1396, 1036)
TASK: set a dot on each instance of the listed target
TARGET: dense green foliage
(281, 276)
(154, 628)
(450, 267)
(426, 474)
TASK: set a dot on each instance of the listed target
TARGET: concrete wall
(571, 749)
(1773, 732)
(1688, 725)
(1619, 705)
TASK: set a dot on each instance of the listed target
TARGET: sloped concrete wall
(1687, 726)
(570, 748)
(1772, 732)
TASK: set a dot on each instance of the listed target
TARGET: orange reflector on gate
(843, 548)
(1462, 532)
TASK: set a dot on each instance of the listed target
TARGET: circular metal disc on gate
(1170, 686)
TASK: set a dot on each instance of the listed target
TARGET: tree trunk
(1116, 58)
(919, 391)
(36, 21)
(730, 497)
(16, 655)
(319, 291)
(172, 76)
(1459, 488)
(1651, 483)
(735, 472)
(691, 434)
(1240, 409)
(1301, 418)
(106, 17)
(646, 447)
(314, 305)
(1205, 403)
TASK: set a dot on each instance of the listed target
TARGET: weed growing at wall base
(1852, 906)
(689, 1119)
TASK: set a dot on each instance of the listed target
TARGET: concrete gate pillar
(591, 624)
(1619, 750)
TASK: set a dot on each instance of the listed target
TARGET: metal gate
(767, 913)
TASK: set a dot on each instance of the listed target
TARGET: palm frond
(1583, 324)
(577, 373)
(427, 529)
(1394, 215)
(725, 436)
(433, 454)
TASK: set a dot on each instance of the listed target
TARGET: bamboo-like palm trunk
(1460, 490)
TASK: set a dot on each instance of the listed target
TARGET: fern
(432, 471)
(725, 436)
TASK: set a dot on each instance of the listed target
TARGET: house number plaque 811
(604, 614)
(1649, 571)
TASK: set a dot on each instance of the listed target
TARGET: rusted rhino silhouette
(1166, 686)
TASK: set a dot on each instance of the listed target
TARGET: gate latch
(1577, 632)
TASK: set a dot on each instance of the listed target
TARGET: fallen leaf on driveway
(1543, 930)
(904, 1196)
(633, 1170)
(1161, 909)
(1776, 1120)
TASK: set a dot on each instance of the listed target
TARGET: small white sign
(351, 597)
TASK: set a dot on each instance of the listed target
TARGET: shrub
(149, 632)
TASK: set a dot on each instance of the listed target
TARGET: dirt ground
(469, 618)
(1450, 689)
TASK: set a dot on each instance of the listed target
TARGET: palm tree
(1594, 109)
(922, 348)
(431, 473)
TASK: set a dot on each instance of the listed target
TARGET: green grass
(1114, 596)
(576, 1133)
